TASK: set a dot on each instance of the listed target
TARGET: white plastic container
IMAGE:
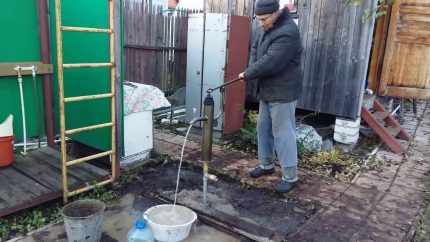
(140, 233)
(347, 131)
(170, 223)
(6, 128)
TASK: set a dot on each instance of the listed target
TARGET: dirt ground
(259, 213)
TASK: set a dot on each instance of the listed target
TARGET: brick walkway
(382, 203)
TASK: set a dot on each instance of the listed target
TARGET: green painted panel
(19, 42)
(84, 48)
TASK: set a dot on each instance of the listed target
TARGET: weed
(423, 230)
(249, 132)
(28, 220)
(125, 179)
(102, 193)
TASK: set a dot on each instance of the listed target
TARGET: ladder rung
(87, 158)
(87, 65)
(380, 116)
(394, 131)
(89, 97)
(98, 126)
(80, 29)
(87, 188)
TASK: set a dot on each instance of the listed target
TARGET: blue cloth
(276, 130)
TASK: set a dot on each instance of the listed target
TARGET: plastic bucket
(83, 220)
(6, 150)
(170, 222)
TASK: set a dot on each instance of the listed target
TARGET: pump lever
(210, 90)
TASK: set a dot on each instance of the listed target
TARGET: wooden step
(394, 131)
(386, 126)
(380, 115)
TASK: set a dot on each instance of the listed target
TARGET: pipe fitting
(211, 177)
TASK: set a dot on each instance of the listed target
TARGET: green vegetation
(379, 11)
(31, 219)
(423, 231)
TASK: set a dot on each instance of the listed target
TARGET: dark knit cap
(263, 7)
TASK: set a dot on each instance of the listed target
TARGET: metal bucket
(83, 220)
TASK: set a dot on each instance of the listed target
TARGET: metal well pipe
(208, 112)
(45, 54)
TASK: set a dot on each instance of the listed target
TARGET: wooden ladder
(386, 126)
(62, 100)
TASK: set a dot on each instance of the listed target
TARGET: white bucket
(170, 223)
(6, 128)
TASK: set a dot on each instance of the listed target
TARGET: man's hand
(242, 75)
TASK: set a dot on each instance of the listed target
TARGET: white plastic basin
(170, 223)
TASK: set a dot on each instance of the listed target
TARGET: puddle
(120, 214)
(119, 217)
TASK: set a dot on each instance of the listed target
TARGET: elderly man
(275, 64)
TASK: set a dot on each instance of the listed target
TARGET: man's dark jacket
(275, 61)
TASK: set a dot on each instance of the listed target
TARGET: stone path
(383, 203)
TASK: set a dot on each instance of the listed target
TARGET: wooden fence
(337, 43)
(236, 7)
(154, 46)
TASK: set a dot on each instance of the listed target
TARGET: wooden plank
(391, 121)
(393, 130)
(423, 76)
(29, 186)
(38, 170)
(408, 92)
(359, 61)
(415, 9)
(326, 65)
(7, 69)
(91, 169)
(389, 51)
(413, 32)
(381, 131)
(7, 192)
(308, 55)
(53, 160)
(412, 40)
(22, 187)
(414, 25)
(345, 63)
(415, 17)
(380, 115)
(333, 57)
(377, 49)
(27, 204)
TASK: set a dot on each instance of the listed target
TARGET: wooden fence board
(335, 41)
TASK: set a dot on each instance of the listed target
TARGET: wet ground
(234, 212)
(256, 213)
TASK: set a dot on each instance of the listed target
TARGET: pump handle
(210, 90)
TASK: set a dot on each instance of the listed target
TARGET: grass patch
(423, 230)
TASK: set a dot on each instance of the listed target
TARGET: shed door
(406, 71)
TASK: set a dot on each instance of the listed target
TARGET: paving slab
(380, 205)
